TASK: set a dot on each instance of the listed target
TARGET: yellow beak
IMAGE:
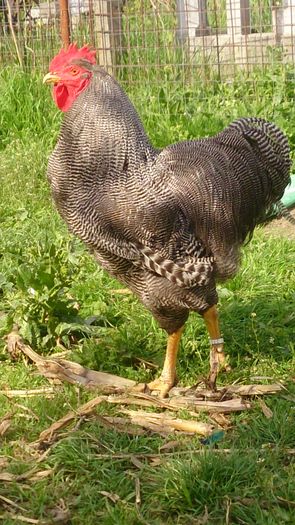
(51, 78)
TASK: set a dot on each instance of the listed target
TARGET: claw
(161, 386)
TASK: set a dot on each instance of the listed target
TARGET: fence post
(238, 17)
(288, 17)
(64, 22)
(278, 23)
(192, 19)
(102, 34)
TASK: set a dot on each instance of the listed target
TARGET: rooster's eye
(74, 71)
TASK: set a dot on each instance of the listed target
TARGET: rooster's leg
(168, 376)
(217, 356)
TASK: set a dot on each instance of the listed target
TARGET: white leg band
(219, 341)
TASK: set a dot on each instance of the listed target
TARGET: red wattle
(64, 94)
(61, 96)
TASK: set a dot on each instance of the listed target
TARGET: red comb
(65, 56)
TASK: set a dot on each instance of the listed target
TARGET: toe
(160, 387)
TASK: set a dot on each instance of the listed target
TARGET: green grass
(250, 477)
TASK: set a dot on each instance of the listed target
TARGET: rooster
(167, 223)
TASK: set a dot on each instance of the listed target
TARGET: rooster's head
(68, 76)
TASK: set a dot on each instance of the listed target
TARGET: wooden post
(278, 23)
(65, 22)
(102, 34)
(238, 17)
(108, 31)
(245, 17)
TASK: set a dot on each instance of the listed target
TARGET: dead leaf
(41, 474)
(171, 445)
(5, 423)
(265, 409)
(60, 513)
(3, 462)
(7, 476)
(156, 461)
(221, 420)
(110, 495)
(31, 475)
(136, 462)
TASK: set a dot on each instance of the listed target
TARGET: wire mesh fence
(159, 38)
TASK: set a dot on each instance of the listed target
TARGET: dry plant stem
(168, 376)
(196, 399)
(160, 423)
(77, 374)
(12, 503)
(225, 391)
(10, 22)
(22, 519)
(60, 369)
(126, 455)
(63, 370)
(137, 492)
(166, 423)
(176, 403)
(46, 391)
(225, 407)
(87, 408)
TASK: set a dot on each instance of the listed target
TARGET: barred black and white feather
(167, 223)
(283, 211)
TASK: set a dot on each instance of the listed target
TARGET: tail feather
(184, 274)
(284, 212)
(274, 150)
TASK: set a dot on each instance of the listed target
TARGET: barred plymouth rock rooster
(167, 223)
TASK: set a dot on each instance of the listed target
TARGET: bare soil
(281, 227)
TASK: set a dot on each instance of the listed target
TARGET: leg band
(219, 341)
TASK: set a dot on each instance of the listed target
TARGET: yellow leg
(167, 379)
(217, 356)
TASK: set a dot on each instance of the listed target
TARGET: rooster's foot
(161, 386)
(217, 362)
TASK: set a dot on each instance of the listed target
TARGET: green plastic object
(288, 198)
